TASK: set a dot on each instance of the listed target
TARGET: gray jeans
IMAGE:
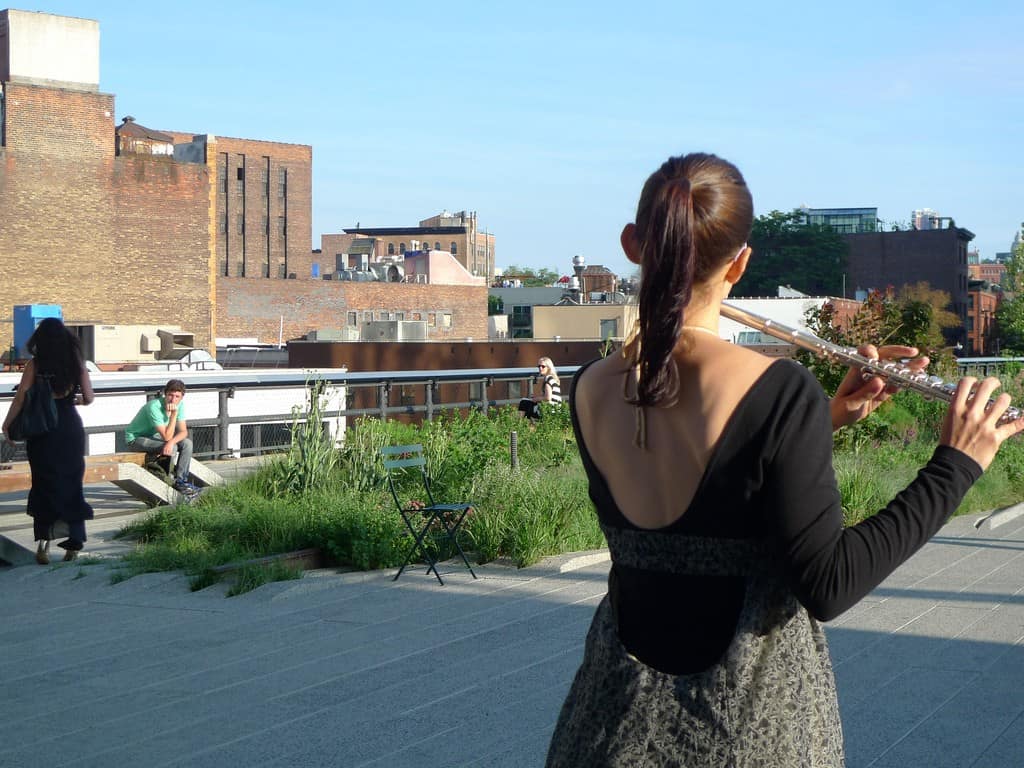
(182, 449)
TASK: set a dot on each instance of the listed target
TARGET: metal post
(483, 394)
(430, 400)
(220, 442)
(513, 444)
(382, 399)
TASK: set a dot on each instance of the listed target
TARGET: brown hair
(694, 215)
(174, 385)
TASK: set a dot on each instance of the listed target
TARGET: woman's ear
(630, 244)
(738, 267)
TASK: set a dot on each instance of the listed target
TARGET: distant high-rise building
(926, 218)
(845, 221)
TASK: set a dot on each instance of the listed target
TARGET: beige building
(583, 321)
(456, 233)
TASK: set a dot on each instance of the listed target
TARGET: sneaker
(185, 487)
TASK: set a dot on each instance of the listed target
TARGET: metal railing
(415, 395)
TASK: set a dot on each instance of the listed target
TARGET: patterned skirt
(770, 700)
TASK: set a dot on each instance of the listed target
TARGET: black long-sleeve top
(770, 477)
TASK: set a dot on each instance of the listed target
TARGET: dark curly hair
(57, 353)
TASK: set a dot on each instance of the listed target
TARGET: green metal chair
(421, 518)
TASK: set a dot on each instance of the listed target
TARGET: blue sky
(546, 117)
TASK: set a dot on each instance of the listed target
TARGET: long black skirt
(57, 460)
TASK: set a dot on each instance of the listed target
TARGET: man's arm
(173, 431)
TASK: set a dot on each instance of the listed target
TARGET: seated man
(159, 428)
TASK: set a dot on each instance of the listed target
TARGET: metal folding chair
(423, 518)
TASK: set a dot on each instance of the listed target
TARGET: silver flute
(893, 373)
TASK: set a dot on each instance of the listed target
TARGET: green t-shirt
(151, 415)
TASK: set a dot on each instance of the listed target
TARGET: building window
(401, 247)
(282, 183)
(609, 328)
(437, 246)
(446, 319)
(240, 221)
(266, 224)
(282, 226)
(222, 176)
(224, 223)
(352, 318)
(367, 317)
(391, 249)
(399, 315)
(417, 316)
(430, 319)
(521, 323)
(240, 186)
(455, 248)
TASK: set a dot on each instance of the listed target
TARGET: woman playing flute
(710, 468)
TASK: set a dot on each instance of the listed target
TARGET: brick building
(275, 310)
(982, 301)
(81, 226)
(93, 216)
(262, 213)
(991, 272)
(456, 233)
(878, 260)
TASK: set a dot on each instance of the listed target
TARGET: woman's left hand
(857, 397)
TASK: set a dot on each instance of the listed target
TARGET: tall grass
(318, 496)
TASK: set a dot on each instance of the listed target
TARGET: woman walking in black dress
(57, 458)
(710, 467)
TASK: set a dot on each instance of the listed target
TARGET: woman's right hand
(971, 423)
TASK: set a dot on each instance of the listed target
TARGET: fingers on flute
(869, 351)
(962, 394)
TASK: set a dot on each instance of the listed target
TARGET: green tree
(1009, 328)
(495, 306)
(531, 277)
(915, 317)
(808, 257)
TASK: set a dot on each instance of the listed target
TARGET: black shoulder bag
(38, 413)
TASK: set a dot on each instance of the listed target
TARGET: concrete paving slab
(355, 669)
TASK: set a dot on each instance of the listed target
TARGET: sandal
(43, 553)
(70, 555)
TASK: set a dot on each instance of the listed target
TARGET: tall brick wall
(60, 122)
(111, 239)
(254, 307)
(258, 231)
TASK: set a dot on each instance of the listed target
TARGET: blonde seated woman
(548, 389)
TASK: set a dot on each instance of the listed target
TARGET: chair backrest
(400, 457)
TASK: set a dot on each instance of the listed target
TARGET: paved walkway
(356, 670)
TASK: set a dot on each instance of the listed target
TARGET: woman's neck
(704, 316)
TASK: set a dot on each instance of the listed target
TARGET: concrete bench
(125, 470)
